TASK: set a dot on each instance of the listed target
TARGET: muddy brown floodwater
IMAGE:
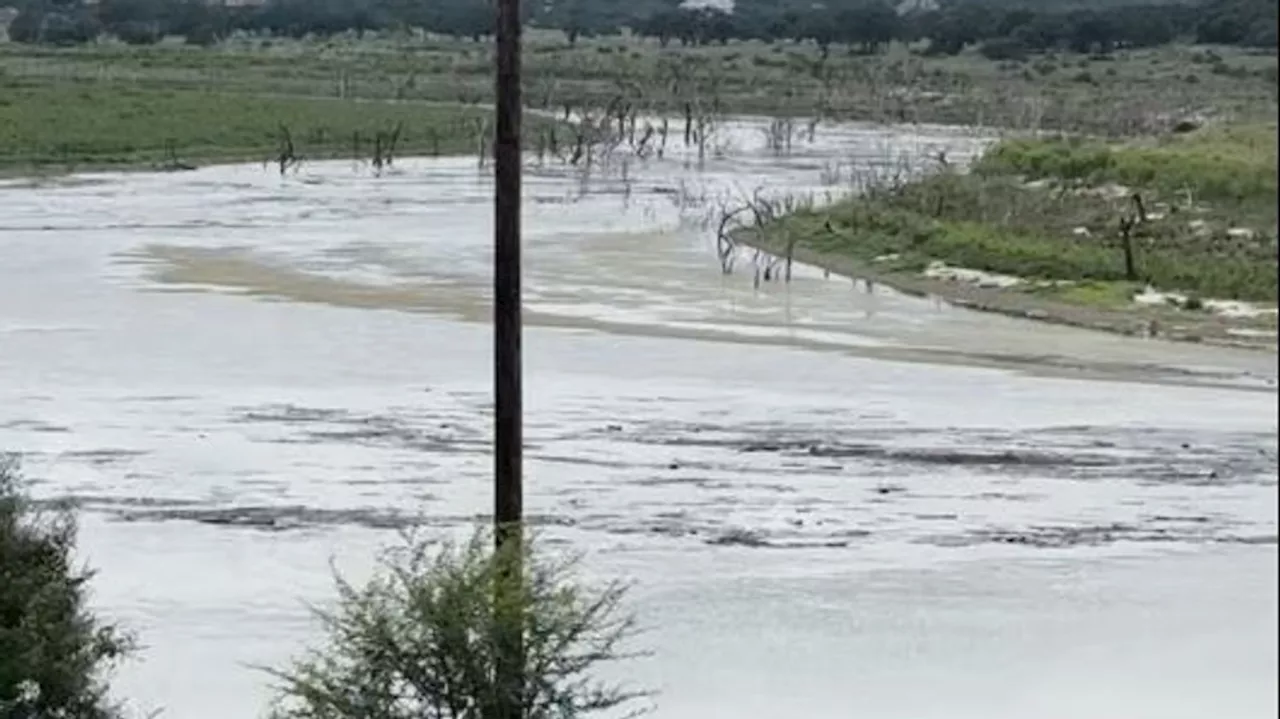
(834, 501)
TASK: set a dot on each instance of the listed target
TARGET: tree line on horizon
(1002, 29)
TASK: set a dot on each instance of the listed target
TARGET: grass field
(72, 124)
(1129, 93)
(1050, 210)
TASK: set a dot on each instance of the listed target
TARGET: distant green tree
(115, 13)
(54, 22)
(1262, 33)
(821, 28)
(870, 26)
(664, 25)
(200, 22)
(138, 33)
(1237, 22)
(26, 25)
(1091, 32)
(1042, 33)
(1144, 26)
(1223, 29)
(960, 25)
(1012, 20)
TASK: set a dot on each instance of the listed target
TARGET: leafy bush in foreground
(421, 640)
(53, 651)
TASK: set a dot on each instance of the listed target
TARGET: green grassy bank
(1052, 211)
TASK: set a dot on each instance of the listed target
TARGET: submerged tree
(420, 640)
(53, 651)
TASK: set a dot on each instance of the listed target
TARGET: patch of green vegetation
(1235, 164)
(1069, 229)
(71, 123)
(889, 231)
(1090, 293)
(1138, 90)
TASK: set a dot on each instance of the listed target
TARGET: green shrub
(981, 246)
(137, 33)
(53, 651)
(421, 640)
(1067, 159)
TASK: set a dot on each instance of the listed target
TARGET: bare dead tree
(612, 108)
(548, 92)
(778, 135)
(286, 157)
(393, 139)
(1130, 223)
(171, 161)
(766, 266)
(703, 126)
(766, 213)
(641, 147)
(480, 130)
(621, 112)
(726, 246)
(625, 175)
(594, 137)
(1126, 243)
(579, 144)
(1139, 208)
(763, 213)
(384, 146)
(792, 238)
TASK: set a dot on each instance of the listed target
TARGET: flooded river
(834, 501)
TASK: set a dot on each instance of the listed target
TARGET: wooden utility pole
(508, 503)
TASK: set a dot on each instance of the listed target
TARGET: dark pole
(508, 497)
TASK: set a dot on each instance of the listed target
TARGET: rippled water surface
(835, 501)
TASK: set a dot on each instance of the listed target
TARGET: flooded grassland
(828, 494)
